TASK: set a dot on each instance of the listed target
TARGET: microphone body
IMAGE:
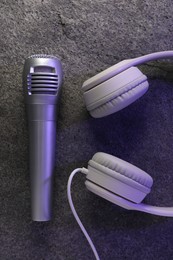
(42, 80)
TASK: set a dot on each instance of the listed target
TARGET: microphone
(42, 81)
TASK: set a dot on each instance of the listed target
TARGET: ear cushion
(120, 102)
(116, 93)
(124, 168)
(119, 177)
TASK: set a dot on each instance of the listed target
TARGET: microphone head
(42, 78)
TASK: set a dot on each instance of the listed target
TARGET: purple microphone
(42, 81)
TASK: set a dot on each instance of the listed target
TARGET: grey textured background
(88, 36)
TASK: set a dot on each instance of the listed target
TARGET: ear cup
(119, 177)
(115, 93)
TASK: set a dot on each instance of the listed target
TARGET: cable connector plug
(84, 170)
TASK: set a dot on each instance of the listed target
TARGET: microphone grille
(43, 74)
(42, 83)
(42, 56)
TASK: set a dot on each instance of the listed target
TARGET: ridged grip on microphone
(42, 81)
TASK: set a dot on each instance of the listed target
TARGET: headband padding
(116, 93)
(119, 177)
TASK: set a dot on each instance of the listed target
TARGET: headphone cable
(83, 170)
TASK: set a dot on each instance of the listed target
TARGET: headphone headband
(126, 204)
(123, 65)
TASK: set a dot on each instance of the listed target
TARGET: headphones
(108, 176)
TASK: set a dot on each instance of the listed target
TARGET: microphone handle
(42, 135)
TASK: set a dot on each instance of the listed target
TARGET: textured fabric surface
(88, 36)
